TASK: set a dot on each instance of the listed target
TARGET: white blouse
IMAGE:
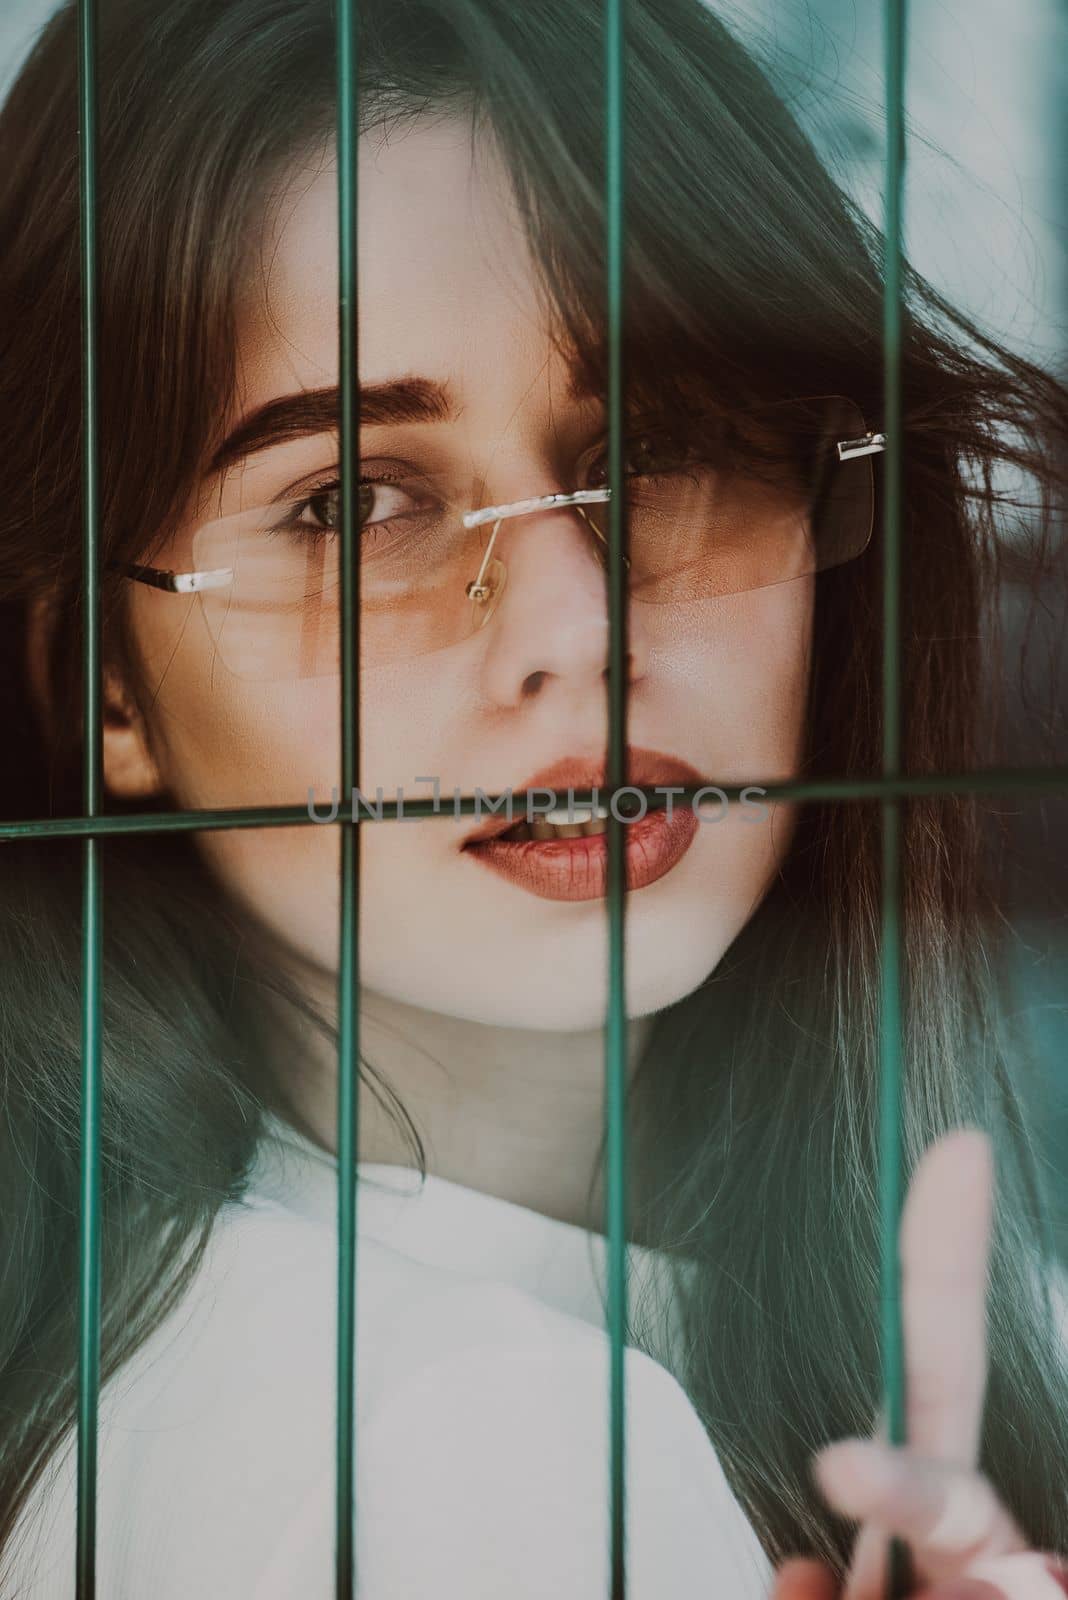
(482, 1423)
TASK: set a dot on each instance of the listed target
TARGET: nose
(550, 632)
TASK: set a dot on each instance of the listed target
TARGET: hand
(964, 1544)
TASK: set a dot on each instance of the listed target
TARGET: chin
(566, 997)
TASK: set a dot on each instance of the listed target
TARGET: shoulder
(220, 1420)
(505, 1453)
(482, 1436)
(483, 1469)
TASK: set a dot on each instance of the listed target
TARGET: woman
(752, 934)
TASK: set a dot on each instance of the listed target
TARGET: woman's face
(512, 934)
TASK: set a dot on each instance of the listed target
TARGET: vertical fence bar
(348, 932)
(89, 1210)
(616, 1029)
(890, 1041)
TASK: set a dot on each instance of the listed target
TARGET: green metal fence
(93, 827)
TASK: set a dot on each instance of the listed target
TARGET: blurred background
(987, 224)
(987, 217)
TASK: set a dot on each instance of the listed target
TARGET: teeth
(542, 828)
(578, 814)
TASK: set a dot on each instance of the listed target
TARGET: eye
(649, 454)
(320, 511)
(376, 502)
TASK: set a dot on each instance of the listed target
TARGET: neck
(516, 1113)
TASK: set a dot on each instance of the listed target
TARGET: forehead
(447, 287)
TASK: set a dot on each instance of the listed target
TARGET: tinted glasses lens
(280, 615)
(730, 502)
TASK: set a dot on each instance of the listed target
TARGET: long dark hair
(754, 1113)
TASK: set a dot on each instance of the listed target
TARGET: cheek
(247, 744)
(774, 684)
(730, 681)
(225, 742)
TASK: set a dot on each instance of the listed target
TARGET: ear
(130, 769)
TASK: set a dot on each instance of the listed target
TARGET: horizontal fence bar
(990, 781)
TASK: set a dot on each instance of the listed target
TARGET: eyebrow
(312, 411)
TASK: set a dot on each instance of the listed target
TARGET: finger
(950, 1517)
(804, 1580)
(944, 1250)
(866, 1578)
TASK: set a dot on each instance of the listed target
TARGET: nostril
(532, 683)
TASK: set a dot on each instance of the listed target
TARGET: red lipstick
(576, 868)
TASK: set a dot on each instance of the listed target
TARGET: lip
(577, 869)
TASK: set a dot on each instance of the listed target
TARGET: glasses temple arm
(174, 582)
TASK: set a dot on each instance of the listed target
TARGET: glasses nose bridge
(496, 514)
(580, 502)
